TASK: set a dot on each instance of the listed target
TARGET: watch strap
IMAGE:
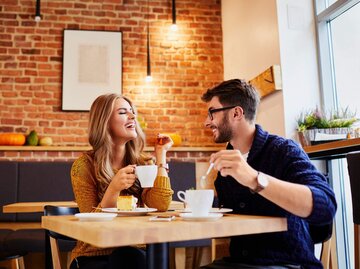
(259, 187)
(164, 165)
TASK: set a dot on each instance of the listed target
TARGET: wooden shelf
(85, 148)
(333, 150)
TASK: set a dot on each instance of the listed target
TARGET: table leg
(157, 256)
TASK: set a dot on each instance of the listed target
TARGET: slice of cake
(126, 202)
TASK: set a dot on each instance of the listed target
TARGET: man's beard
(224, 131)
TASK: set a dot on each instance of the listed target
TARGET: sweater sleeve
(84, 185)
(160, 195)
(299, 169)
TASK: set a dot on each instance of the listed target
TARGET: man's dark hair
(236, 92)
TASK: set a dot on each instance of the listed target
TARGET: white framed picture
(92, 65)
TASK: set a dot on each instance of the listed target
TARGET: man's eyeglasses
(214, 110)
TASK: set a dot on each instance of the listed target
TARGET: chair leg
(180, 258)
(21, 263)
(357, 245)
(213, 249)
(55, 253)
(17, 263)
(325, 254)
(198, 252)
(333, 251)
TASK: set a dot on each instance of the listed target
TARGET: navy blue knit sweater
(285, 160)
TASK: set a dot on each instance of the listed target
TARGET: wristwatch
(262, 182)
(164, 165)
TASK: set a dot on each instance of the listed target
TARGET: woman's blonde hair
(101, 141)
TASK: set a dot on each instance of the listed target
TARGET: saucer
(95, 216)
(212, 210)
(209, 217)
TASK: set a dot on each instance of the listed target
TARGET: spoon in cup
(203, 179)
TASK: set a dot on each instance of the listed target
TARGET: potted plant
(315, 126)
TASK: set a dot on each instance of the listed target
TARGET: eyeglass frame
(214, 110)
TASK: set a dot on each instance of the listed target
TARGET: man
(264, 174)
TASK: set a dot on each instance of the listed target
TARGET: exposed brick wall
(183, 64)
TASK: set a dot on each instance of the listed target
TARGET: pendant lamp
(148, 65)
(174, 25)
(37, 11)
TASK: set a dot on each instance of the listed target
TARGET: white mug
(146, 175)
(198, 201)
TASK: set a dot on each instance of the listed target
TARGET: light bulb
(37, 18)
(148, 78)
(174, 27)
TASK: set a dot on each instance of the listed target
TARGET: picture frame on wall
(92, 65)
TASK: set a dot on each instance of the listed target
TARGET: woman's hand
(163, 143)
(124, 178)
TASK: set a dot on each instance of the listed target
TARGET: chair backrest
(182, 176)
(320, 233)
(50, 210)
(353, 160)
(52, 256)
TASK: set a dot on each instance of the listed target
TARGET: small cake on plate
(126, 202)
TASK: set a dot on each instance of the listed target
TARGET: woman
(102, 174)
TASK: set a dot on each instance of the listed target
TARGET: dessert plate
(95, 216)
(191, 217)
(212, 210)
(139, 211)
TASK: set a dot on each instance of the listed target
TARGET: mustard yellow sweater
(85, 187)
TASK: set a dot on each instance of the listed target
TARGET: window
(338, 28)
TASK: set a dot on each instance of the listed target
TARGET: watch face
(263, 180)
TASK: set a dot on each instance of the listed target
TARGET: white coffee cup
(182, 197)
(146, 175)
(198, 201)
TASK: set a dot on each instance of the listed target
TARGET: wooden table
(32, 207)
(124, 231)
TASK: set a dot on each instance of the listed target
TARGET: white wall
(298, 59)
(251, 45)
(261, 33)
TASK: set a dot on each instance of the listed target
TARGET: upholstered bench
(31, 182)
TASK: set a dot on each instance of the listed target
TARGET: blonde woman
(102, 174)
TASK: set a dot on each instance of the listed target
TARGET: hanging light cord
(148, 43)
(173, 12)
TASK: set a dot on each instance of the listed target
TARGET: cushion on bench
(3, 234)
(9, 187)
(32, 240)
(43, 181)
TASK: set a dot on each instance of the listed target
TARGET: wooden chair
(15, 257)
(53, 238)
(324, 234)
(186, 177)
(353, 160)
